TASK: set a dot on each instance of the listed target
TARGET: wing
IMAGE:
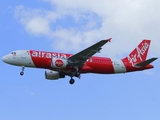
(80, 58)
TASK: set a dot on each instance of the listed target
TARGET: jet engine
(53, 75)
(59, 63)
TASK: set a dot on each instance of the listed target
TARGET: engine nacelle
(53, 75)
(59, 63)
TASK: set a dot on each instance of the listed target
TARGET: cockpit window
(14, 53)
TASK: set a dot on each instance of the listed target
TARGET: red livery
(60, 64)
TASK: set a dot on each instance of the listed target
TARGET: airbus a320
(59, 65)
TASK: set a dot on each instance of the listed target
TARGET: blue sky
(70, 26)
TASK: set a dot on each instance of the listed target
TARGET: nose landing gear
(71, 81)
(22, 72)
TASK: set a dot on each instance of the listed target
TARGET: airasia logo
(59, 63)
(140, 52)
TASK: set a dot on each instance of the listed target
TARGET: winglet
(109, 40)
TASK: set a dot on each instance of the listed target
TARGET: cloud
(36, 21)
(81, 23)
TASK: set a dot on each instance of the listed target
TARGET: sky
(69, 27)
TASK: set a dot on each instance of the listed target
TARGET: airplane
(59, 65)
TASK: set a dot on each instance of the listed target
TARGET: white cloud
(35, 26)
(80, 23)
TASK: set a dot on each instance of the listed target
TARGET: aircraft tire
(21, 73)
(77, 74)
(71, 81)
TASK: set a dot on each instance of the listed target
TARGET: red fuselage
(100, 65)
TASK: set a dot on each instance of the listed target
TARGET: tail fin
(139, 54)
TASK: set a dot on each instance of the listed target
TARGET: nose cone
(4, 58)
(8, 59)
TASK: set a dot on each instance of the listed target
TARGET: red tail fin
(139, 54)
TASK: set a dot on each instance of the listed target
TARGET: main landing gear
(77, 74)
(22, 72)
(72, 81)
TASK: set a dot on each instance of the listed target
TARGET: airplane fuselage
(41, 59)
(59, 65)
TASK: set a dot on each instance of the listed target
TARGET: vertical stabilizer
(139, 54)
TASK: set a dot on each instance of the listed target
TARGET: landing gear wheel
(21, 73)
(72, 81)
(77, 74)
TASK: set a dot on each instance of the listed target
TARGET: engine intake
(53, 75)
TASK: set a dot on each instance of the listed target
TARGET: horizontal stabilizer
(145, 63)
